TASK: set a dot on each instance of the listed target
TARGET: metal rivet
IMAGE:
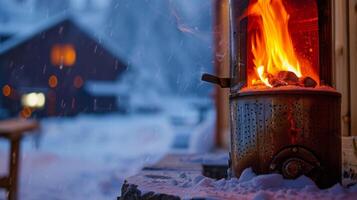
(295, 149)
(272, 166)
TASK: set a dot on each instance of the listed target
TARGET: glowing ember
(271, 43)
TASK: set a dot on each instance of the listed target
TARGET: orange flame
(272, 46)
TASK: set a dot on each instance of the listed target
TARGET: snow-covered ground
(249, 186)
(88, 157)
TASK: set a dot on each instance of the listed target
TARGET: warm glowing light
(271, 43)
(63, 55)
(69, 55)
(263, 78)
(6, 90)
(56, 55)
(26, 112)
(78, 82)
(41, 100)
(53, 81)
(33, 100)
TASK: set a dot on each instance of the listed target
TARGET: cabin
(43, 71)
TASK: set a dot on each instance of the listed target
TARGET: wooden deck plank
(176, 162)
(171, 177)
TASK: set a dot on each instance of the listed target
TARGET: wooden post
(353, 63)
(14, 159)
(14, 130)
(221, 60)
(341, 68)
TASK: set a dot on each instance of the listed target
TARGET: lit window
(6, 90)
(33, 100)
(63, 55)
(26, 112)
(53, 81)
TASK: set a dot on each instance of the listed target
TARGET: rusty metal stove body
(292, 131)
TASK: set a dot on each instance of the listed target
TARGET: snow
(249, 186)
(89, 156)
(167, 45)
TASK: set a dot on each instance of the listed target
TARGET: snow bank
(192, 185)
(202, 139)
(269, 186)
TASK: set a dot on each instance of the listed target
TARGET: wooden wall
(352, 10)
(222, 58)
(345, 57)
(341, 68)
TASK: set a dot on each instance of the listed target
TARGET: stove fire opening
(282, 43)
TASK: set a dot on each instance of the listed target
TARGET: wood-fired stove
(285, 115)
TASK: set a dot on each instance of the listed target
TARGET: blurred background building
(164, 45)
(115, 84)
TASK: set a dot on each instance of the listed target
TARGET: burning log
(284, 78)
(308, 82)
(258, 83)
(289, 77)
(275, 82)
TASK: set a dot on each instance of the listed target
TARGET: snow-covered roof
(105, 88)
(7, 32)
(15, 17)
(48, 23)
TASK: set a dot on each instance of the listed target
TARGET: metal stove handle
(223, 82)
